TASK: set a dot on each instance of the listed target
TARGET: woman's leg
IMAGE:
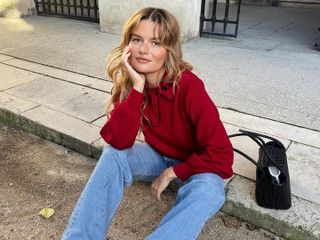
(197, 200)
(100, 198)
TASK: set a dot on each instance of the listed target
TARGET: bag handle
(256, 137)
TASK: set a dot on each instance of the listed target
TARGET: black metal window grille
(87, 10)
(215, 18)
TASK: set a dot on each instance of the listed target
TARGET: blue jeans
(199, 198)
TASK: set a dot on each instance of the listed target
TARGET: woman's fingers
(159, 185)
(156, 192)
(138, 79)
(125, 57)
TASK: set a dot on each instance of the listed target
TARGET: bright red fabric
(184, 125)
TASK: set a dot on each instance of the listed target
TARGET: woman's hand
(137, 79)
(162, 182)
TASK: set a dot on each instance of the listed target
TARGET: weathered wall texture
(17, 8)
(114, 13)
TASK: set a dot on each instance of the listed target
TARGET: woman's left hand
(161, 182)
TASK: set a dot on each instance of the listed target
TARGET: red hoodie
(184, 125)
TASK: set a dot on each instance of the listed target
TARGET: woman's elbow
(120, 145)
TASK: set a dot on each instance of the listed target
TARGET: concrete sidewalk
(66, 105)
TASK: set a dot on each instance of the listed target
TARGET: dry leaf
(46, 212)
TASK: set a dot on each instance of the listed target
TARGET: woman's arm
(215, 154)
(121, 129)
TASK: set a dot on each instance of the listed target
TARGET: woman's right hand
(138, 79)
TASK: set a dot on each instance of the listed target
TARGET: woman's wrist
(170, 174)
(139, 87)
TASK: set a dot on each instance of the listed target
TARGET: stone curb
(241, 203)
(231, 206)
(49, 134)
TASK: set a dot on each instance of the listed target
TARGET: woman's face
(147, 54)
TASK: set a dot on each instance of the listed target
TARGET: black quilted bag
(272, 173)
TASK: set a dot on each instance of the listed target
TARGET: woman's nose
(144, 48)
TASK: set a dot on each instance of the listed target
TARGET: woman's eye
(135, 40)
(156, 43)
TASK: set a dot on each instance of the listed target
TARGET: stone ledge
(301, 221)
(271, 127)
(44, 132)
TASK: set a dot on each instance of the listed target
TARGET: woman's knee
(110, 152)
(109, 159)
(115, 161)
(206, 187)
(213, 190)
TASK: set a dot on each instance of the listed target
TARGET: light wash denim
(198, 198)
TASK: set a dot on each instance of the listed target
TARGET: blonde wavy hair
(169, 34)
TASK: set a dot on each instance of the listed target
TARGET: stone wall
(114, 13)
(17, 8)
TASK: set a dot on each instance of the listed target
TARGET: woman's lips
(143, 60)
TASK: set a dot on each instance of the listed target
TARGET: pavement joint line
(279, 29)
(254, 25)
(255, 101)
(65, 113)
(29, 108)
(54, 67)
(6, 60)
(231, 207)
(290, 140)
(91, 144)
(290, 143)
(53, 109)
(270, 119)
(263, 117)
(25, 99)
(92, 122)
(60, 79)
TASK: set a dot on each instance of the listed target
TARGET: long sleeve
(215, 153)
(123, 125)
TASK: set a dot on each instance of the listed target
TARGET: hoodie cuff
(183, 171)
(134, 99)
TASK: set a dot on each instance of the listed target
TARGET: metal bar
(73, 17)
(75, 5)
(218, 34)
(95, 9)
(317, 3)
(81, 6)
(44, 5)
(69, 9)
(37, 6)
(203, 3)
(89, 7)
(55, 4)
(61, 6)
(214, 15)
(68, 3)
(49, 5)
(238, 15)
(226, 16)
(221, 21)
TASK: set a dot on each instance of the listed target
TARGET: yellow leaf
(46, 212)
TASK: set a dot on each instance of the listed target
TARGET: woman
(155, 92)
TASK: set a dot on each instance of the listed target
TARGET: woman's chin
(141, 69)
